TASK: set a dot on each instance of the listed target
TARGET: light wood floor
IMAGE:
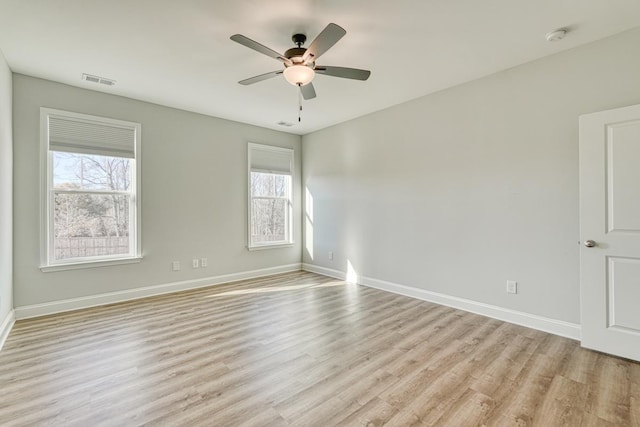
(302, 349)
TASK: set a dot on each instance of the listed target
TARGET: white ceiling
(178, 53)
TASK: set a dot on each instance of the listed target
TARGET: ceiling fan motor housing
(295, 54)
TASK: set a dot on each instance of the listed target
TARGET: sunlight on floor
(263, 290)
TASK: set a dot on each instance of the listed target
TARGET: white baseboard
(557, 327)
(552, 326)
(336, 274)
(6, 326)
(37, 310)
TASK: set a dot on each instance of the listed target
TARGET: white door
(610, 221)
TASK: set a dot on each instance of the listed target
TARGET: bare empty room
(320, 213)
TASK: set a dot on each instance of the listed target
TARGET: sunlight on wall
(352, 275)
(308, 230)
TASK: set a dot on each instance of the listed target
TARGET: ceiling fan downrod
(299, 39)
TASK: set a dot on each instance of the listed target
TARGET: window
(270, 189)
(91, 182)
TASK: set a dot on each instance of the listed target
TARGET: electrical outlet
(330, 255)
(195, 263)
(175, 265)
(203, 262)
(512, 287)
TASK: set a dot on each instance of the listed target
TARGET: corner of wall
(7, 317)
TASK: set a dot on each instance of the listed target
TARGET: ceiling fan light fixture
(299, 75)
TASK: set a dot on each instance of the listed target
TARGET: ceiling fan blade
(327, 38)
(252, 44)
(345, 73)
(260, 78)
(308, 91)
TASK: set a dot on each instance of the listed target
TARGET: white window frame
(289, 214)
(47, 250)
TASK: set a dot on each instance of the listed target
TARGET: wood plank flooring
(304, 350)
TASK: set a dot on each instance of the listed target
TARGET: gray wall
(461, 190)
(6, 191)
(194, 194)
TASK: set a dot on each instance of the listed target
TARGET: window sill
(89, 264)
(273, 246)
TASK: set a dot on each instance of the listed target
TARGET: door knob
(589, 243)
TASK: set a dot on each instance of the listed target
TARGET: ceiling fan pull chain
(299, 102)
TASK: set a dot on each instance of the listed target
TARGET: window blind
(81, 136)
(269, 159)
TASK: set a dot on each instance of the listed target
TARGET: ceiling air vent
(97, 79)
(287, 124)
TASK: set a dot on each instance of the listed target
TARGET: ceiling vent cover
(97, 79)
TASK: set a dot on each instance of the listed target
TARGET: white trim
(271, 246)
(89, 264)
(552, 326)
(6, 326)
(336, 274)
(44, 187)
(53, 307)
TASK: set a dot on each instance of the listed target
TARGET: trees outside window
(91, 205)
(269, 207)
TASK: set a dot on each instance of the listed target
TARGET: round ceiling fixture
(556, 35)
(299, 75)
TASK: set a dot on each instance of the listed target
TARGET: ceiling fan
(300, 63)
